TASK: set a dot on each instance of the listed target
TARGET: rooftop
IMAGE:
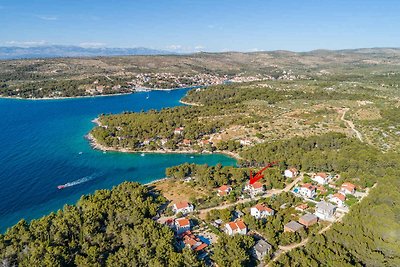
(293, 225)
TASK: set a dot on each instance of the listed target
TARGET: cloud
(47, 17)
(92, 44)
(26, 43)
(174, 47)
(199, 48)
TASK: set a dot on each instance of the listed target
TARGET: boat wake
(76, 182)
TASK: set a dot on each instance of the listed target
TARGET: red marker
(259, 174)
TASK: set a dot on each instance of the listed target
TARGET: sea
(43, 145)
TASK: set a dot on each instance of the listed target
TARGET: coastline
(63, 97)
(190, 103)
(94, 96)
(95, 145)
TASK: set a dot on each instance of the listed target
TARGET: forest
(108, 228)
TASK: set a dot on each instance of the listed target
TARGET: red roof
(241, 225)
(224, 188)
(348, 186)
(256, 185)
(237, 225)
(340, 196)
(322, 174)
(181, 205)
(303, 206)
(201, 247)
(309, 186)
(182, 222)
(263, 207)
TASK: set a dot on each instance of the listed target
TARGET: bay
(42, 145)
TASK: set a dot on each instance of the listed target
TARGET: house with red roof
(187, 142)
(321, 178)
(308, 190)
(183, 207)
(182, 225)
(236, 227)
(192, 241)
(261, 211)
(348, 188)
(302, 207)
(339, 199)
(224, 190)
(255, 188)
(179, 130)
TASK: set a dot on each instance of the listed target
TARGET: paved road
(269, 193)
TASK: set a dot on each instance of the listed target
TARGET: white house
(308, 190)
(182, 225)
(348, 188)
(179, 130)
(321, 178)
(338, 199)
(261, 211)
(183, 207)
(261, 249)
(237, 227)
(291, 173)
(255, 188)
(325, 210)
(224, 190)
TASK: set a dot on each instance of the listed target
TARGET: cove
(43, 146)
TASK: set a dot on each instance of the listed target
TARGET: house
(236, 214)
(224, 190)
(255, 188)
(308, 219)
(205, 142)
(261, 211)
(183, 207)
(261, 249)
(325, 210)
(321, 178)
(187, 142)
(308, 190)
(237, 227)
(245, 142)
(291, 173)
(179, 130)
(146, 141)
(338, 199)
(321, 189)
(302, 207)
(192, 241)
(292, 227)
(182, 225)
(348, 188)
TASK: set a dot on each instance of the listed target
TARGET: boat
(142, 154)
(61, 186)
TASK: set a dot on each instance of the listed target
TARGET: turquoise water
(43, 146)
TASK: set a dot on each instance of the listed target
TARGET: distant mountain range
(49, 51)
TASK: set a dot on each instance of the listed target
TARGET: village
(308, 205)
(143, 82)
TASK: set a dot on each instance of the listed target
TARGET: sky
(202, 25)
